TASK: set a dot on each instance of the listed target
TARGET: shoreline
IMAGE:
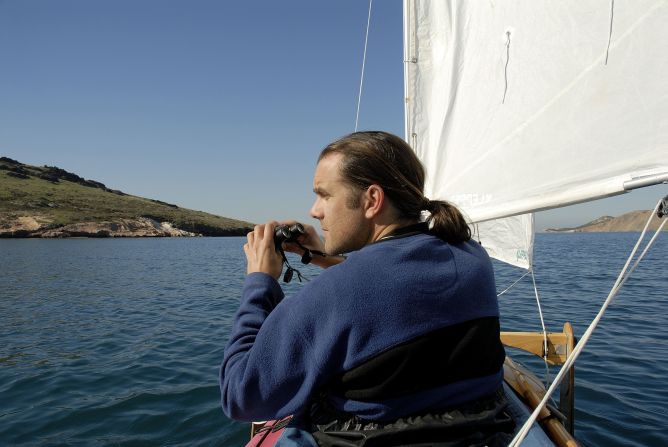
(29, 228)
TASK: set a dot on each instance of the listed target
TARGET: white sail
(509, 239)
(513, 108)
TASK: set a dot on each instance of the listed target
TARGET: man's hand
(261, 254)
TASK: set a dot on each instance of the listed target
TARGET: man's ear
(374, 200)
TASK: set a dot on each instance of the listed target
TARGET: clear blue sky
(220, 106)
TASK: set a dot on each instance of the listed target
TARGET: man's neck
(381, 231)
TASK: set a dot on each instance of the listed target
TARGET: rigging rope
(542, 323)
(505, 71)
(540, 313)
(513, 284)
(612, 15)
(623, 276)
(366, 41)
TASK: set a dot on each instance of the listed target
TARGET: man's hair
(380, 158)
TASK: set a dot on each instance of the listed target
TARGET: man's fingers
(261, 255)
(268, 233)
(264, 231)
(259, 231)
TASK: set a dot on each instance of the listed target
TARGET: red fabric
(269, 433)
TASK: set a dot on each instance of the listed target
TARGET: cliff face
(51, 202)
(36, 226)
(630, 222)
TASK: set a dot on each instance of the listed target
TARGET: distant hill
(49, 201)
(630, 222)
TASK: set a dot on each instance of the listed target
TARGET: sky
(218, 106)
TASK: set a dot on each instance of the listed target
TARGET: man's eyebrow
(319, 191)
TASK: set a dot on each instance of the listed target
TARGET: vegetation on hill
(35, 199)
(633, 221)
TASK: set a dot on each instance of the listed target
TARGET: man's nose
(315, 211)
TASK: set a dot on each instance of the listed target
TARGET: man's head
(363, 179)
(382, 159)
(367, 179)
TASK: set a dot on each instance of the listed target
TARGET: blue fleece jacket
(283, 350)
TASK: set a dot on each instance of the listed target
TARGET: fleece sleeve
(267, 371)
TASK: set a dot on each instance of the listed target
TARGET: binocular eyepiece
(287, 233)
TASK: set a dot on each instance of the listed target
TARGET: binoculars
(287, 233)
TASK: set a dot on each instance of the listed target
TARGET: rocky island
(633, 221)
(50, 202)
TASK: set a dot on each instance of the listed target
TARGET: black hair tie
(428, 205)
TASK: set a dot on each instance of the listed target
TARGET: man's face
(345, 228)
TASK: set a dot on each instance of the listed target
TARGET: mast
(408, 60)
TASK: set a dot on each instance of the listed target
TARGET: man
(398, 341)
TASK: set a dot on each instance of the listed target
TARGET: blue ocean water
(117, 341)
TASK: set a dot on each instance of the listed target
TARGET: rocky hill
(49, 201)
(630, 222)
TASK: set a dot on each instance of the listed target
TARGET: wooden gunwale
(531, 390)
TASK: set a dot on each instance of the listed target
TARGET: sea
(118, 342)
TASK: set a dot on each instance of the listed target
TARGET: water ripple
(118, 342)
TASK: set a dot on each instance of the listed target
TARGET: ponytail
(447, 222)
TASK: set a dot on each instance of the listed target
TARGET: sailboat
(516, 107)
